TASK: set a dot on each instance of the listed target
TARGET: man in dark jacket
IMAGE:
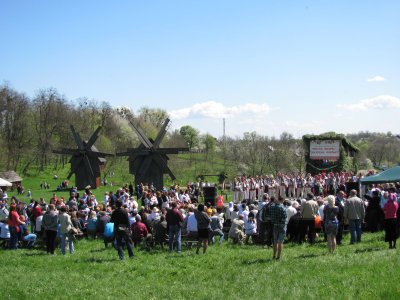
(339, 202)
(174, 221)
(121, 228)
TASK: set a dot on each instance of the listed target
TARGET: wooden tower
(86, 161)
(148, 162)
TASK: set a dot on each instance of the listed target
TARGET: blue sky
(266, 66)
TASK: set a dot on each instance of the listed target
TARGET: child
(250, 228)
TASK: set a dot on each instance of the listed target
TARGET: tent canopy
(4, 182)
(390, 175)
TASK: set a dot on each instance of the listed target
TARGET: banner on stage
(325, 149)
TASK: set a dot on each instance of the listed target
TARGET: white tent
(4, 182)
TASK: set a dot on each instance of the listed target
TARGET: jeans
(215, 233)
(123, 235)
(175, 236)
(355, 231)
(64, 236)
(13, 238)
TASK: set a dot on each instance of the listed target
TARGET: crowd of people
(265, 210)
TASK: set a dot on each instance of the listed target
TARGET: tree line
(30, 128)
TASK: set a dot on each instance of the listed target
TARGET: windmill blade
(78, 162)
(98, 153)
(134, 152)
(161, 134)
(77, 138)
(172, 150)
(88, 166)
(142, 137)
(145, 165)
(93, 138)
(65, 151)
(163, 166)
(128, 153)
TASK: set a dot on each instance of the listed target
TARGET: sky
(300, 66)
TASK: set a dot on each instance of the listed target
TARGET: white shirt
(191, 223)
(290, 212)
(38, 224)
(4, 231)
(106, 199)
(245, 214)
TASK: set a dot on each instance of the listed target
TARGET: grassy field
(368, 270)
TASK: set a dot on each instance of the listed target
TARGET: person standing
(354, 211)
(331, 213)
(339, 202)
(14, 221)
(203, 226)
(50, 225)
(65, 226)
(391, 231)
(309, 210)
(121, 228)
(174, 220)
(277, 214)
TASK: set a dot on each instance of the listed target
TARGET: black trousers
(308, 227)
(339, 234)
(51, 241)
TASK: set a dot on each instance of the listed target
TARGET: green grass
(368, 270)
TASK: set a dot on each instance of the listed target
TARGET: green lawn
(368, 270)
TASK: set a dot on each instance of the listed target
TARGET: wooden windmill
(86, 161)
(148, 162)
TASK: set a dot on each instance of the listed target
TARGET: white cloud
(378, 102)
(376, 79)
(217, 110)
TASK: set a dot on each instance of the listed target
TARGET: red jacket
(139, 230)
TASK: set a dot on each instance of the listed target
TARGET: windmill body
(149, 162)
(86, 161)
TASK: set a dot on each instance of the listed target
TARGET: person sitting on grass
(250, 228)
(236, 232)
(161, 231)
(203, 226)
(190, 227)
(92, 225)
(139, 231)
(30, 238)
(4, 234)
(216, 226)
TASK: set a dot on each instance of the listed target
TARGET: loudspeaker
(210, 193)
(352, 186)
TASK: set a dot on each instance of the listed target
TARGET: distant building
(12, 177)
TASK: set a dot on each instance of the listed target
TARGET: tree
(210, 143)
(51, 117)
(191, 136)
(15, 126)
